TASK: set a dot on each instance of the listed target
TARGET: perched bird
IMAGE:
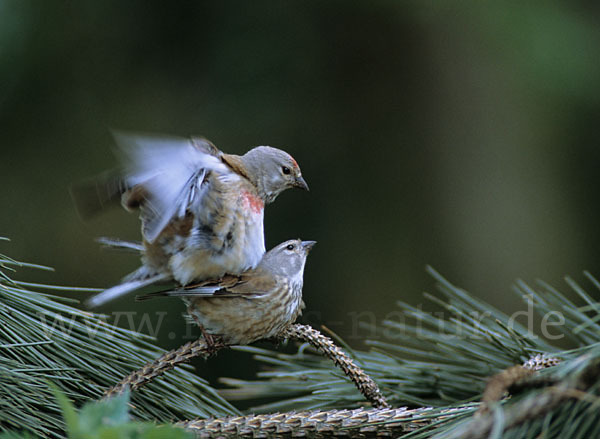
(201, 209)
(257, 304)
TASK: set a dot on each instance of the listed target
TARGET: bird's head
(272, 171)
(288, 259)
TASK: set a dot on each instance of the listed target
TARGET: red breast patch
(253, 202)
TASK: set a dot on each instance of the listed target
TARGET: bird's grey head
(288, 259)
(273, 171)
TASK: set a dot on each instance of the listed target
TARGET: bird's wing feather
(193, 292)
(248, 286)
(171, 171)
(256, 285)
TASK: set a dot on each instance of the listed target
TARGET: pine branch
(576, 379)
(363, 382)
(533, 408)
(164, 363)
(324, 424)
(428, 422)
(171, 359)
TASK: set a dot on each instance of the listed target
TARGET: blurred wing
(171, 171)
(205, 146)
(97, 194)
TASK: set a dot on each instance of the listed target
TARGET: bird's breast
(252, 202)
(244, 320)
(227, 236)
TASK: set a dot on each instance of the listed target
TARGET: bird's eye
(286, 170)
(290, 247)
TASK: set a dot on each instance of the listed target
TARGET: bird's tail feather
(123, 288)
(119, 244)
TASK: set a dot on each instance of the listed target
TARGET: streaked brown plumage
(257, 304)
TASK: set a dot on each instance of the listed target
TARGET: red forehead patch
(294, 162)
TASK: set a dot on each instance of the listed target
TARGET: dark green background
(458, 134)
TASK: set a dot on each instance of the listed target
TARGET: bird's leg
(213, 343)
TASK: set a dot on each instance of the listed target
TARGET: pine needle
(43, 337)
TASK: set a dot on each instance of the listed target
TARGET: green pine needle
(432, 361)
(44, 338)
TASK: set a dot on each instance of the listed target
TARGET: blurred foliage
(460, 134)
(109, 419)
(106, 419)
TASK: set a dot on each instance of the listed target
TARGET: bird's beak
(301, 183)
(307, 245)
